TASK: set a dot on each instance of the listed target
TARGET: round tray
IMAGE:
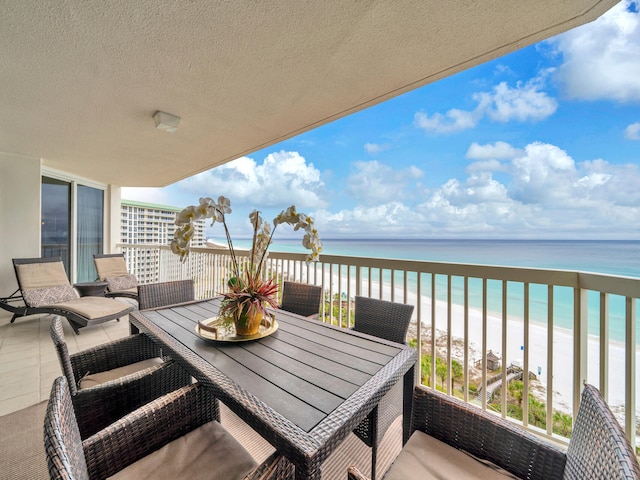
(225, 331)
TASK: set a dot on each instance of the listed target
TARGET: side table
(91, 289)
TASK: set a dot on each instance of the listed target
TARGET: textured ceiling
(81, 79)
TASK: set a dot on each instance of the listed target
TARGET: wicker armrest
(104, 404)
(155, 424)
(485, 435)
(276, 467)
(115, 354)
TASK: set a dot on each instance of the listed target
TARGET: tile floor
(28, 360)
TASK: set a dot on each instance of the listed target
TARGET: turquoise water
(610, 257)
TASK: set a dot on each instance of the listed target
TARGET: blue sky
(543, 143)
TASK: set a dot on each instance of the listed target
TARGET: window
(55, 229)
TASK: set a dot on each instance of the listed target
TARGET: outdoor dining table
(304, 388)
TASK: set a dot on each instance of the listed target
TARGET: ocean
(614, 257)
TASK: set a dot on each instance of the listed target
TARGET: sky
(543, 143)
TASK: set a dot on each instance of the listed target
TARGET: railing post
(550, 335)
(505, 369)
(580, 344)
(604, 345)
(525, 358)
(630, 373)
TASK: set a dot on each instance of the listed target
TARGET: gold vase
(247, 323)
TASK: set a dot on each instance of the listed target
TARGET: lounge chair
(176, 436)
(453, 439)
(110, 380)
(43, 287)
(301, 298)
(390, 321)
(112, 269)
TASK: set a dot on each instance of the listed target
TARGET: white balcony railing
(560, 327)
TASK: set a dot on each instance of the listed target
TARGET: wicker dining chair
(175, 436)
(161, 294)
(390, 321)
(301, 298)
(112, 269)
(109, 380)
(455, 439)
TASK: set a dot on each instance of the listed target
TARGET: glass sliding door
(56, 220)
(72, 225)
(90, 236)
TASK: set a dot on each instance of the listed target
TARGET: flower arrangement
(250, 293)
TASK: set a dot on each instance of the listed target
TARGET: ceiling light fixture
(166, 121)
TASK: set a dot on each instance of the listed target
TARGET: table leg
(374, 441)
(409, 383)
(133, 329)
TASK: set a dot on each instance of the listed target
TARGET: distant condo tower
(150, 224)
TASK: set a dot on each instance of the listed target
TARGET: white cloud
(522, 103)
(374, 183)
(393, 219)
(601, 60)
(283, 178)
(454, 120)
(545, 194)
(373, 148)
(489, 156)
(496, 151)
(541, 175)
(632, 132)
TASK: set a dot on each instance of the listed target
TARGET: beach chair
(176, 436)
(112, 269)
(43, 288)
(301, 298)
(388, 320)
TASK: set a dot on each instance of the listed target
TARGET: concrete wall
(19, 215)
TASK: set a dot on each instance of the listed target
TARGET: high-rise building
(150, 224)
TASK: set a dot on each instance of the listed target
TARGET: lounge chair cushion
(122, 282)
(92, 307)
(93, 379)
(204, 453)
(38, 297)
(112, 267)
(426, 458)
(41, 275)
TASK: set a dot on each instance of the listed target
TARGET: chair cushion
(93, 307)
(41, 275)
(111, 267)
(205, 453)
(93, 379)
(122, 282)
(426, 458)
(39, 297)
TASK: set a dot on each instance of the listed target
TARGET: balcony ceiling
(80, 80)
